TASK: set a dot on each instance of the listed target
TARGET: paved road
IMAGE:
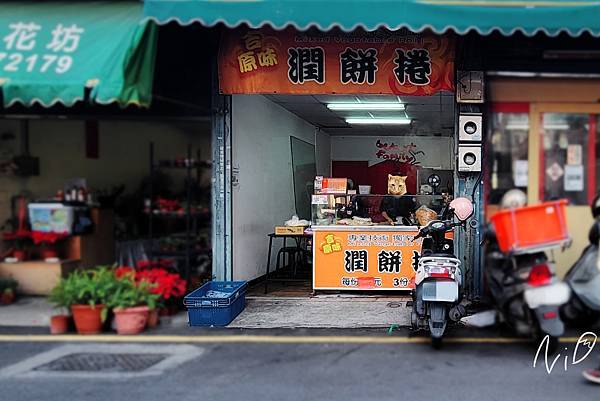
(265, 371)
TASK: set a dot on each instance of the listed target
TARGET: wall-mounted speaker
(469, 158)
(470, 127)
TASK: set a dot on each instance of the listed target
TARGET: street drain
(102, 362)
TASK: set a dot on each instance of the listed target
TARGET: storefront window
(366, 210)
(565, 157)
(509, 163)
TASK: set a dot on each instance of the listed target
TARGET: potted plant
(47, 242)
(8, 288)
(88, 292)
(18, 240)
(168, 285)
(131, 303)
(61, 296)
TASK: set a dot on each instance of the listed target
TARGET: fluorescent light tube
(366, 106)
(379, 121)
(516, 126)
(556, 126)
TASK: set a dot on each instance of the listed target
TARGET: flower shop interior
(90, 185)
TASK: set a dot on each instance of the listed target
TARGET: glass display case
(366, 210)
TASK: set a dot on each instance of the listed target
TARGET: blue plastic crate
(216, 311)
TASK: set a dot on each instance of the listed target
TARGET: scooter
(439, 277)
(583, 309)
(525, 290)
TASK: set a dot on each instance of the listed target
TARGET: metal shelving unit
(190, 216)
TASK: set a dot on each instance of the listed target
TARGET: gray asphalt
(277, 372)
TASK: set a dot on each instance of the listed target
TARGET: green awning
(63, 52)
(460, 16)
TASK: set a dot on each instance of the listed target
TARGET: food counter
(366, 242)
(379, 257)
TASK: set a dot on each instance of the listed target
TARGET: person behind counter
(397, 205)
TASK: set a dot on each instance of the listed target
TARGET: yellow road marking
(284, 339)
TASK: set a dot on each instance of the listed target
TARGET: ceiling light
(379, 121)
(366, 106)
(556, 126)
(516, 126)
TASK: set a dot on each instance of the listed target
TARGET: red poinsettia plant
(164, 283)
(40, 237)
(18, 240)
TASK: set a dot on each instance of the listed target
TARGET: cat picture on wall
(396, 184)
(397, 208)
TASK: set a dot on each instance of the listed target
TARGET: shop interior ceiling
(429, 115)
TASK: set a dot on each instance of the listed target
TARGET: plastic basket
(531, 227)
(211, 311)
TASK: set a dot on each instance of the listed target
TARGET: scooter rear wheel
(575, 314)
(436, 342)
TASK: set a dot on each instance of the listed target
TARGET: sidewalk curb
(267, 339)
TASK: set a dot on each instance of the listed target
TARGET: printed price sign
(362, 260)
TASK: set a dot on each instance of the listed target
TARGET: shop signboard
(365, 259)
(52, 51)
(313, 62)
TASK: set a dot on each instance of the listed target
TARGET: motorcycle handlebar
(447, 225)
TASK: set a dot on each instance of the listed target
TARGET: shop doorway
(565, 153)
(414, 138)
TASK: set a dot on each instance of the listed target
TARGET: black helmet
(595, 206)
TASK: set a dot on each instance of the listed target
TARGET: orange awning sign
(292, 62)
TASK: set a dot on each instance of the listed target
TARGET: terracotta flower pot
(59, 324)
(7, 297)
(169, 310)
(131, 320)
(153, 318)
(19, 254)
(48, 253)
(88, 319)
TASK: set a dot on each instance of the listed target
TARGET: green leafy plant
(128, 294)
(62, 295)
(85, 287)
(8, 284)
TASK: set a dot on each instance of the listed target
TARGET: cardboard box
(288, 230)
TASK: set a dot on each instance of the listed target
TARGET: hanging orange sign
(335, 62)
(364, 259)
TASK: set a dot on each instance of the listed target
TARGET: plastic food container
(51, 217)
(364, 189)
(529, 228)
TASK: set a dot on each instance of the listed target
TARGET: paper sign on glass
(574, 155)
(574, 178)
(521, 173)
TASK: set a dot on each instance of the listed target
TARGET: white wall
(323, 153)
(123, 153)
(264, 195)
